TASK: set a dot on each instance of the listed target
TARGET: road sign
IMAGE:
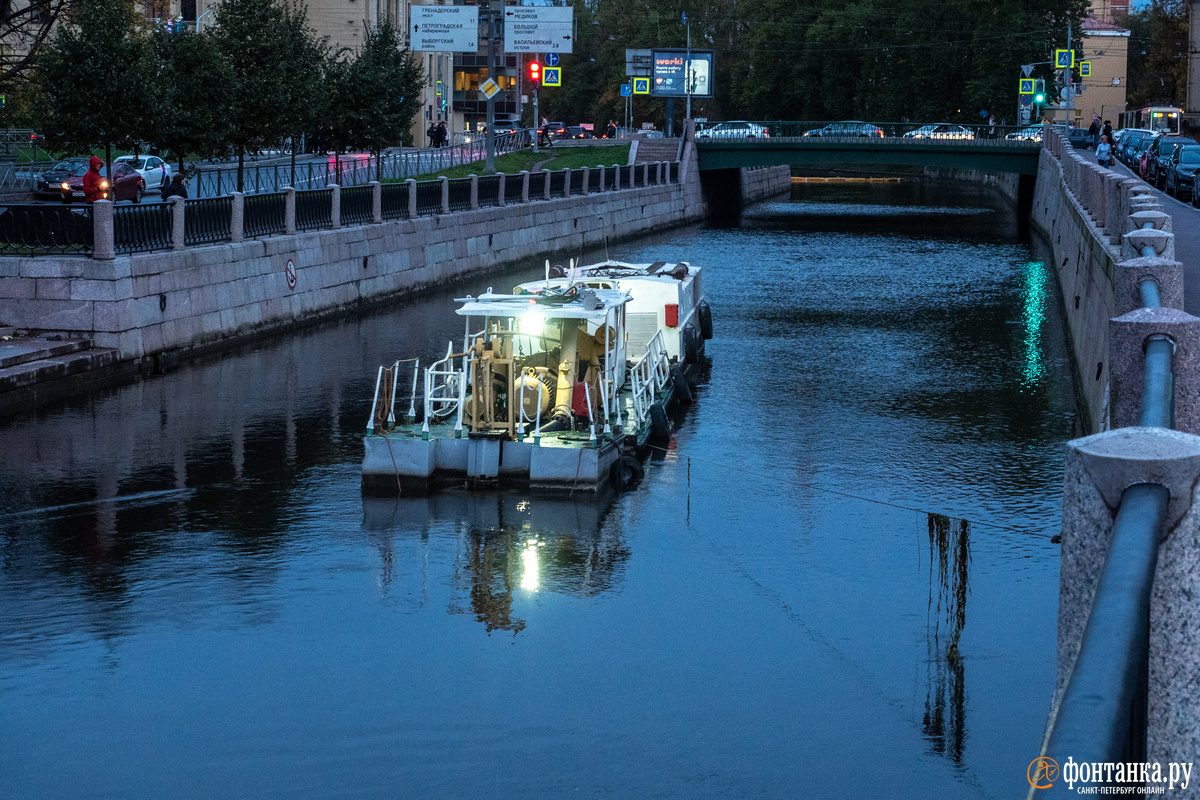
(1064, 59)
(444, 29)
(552, 76)
(1085, 69)
(639, 62)
(537, 29)
(1024, 115)
(626, 90)
(438, 88)
(551, 59)
(1026, 86)
(489, 88)
(641, 86)
(1026, 100)
(1027, 70)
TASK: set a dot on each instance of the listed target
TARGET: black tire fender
(683, 390)
(691, 345)
(625, 473)
(704, 316)
(660, 423)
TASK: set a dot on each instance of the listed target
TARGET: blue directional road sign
(551, 59)
(552, 76)
(626, 90)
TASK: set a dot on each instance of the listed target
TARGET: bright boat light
(531, 323)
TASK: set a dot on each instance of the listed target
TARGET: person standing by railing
(177, 188)
(93, 181)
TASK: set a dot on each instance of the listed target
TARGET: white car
(940, 132)
(735, 129)
(1032, 134)
(155, 171)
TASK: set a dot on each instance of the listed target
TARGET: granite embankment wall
(1084, 212)
(179, 301)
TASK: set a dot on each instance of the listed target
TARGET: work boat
(539, 393)
(665, 298)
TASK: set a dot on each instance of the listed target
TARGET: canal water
(836, 581)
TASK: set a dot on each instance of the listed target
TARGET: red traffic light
(535, 73)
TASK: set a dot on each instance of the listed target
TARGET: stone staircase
(650, 150)
(35, 371)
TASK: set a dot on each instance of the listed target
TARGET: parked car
(1138, 162)
(49, 183)
(1079, 138)
(1125, 144)
(1181, 172)
(851, 128)
(154, 171)
(578, 132)
(942, 131)
(1159, 157)
(125, 184)
(1031, 134)
(734, 129)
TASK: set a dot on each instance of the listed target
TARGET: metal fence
(314, 209)
(577, 181)
(394, 199)
(489, 191)
(514, 187)
(356, 204)
(558, 183)
(460, 194)
(264, 215)
(207, 220)
(429, 198)
(45, 229)
(139, 228)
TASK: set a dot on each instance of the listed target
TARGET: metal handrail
(1102, 715)
(649, 375)
(444, 388)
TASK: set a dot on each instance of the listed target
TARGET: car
(1138, 162)
(126, 184)
(1181, 172)
(1159, 156)
(555, 130)
(942, 131)
(850, 128)
(1079, 138)
(735, 129)
(1031, 134)
(49, 183)
(1123, 145)
(154, 171)
(578, 132)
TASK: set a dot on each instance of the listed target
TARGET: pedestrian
(1104, 152)
(432, 133)
(1094, 131)
(611, 131)
(93, 181)
(177, 187)
(992, 126)
(1107, 130)
(544, 133)
(443, 134)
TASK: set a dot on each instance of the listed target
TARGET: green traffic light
(1039, 98)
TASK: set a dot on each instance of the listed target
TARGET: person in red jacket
(94, 184)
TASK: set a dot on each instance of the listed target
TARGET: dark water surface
(837, 581)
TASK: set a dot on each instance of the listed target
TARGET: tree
(1158, 53)
(25, 26)
(375, 95)
(255, 38)
(93, 76)
(305, 90)
(190, 94)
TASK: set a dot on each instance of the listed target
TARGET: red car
(126, 183)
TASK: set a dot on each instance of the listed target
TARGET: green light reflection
(1034, 296)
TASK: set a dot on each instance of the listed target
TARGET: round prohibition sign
(290, 272)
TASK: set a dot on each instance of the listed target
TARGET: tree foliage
(191, 94)
(1158, 53)
(93, 77)
(25, 27)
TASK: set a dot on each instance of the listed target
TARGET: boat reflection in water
(501, 543)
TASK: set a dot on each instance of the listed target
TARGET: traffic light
(1039, 91)
(535, 74)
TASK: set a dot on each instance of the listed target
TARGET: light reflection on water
(196, 600)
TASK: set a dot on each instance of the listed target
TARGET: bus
(1161, 119)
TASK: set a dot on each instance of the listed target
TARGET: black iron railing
(595, 180)
(460, 194)
(513, 189)
(206, 221)
(263, 215)
(394, 199)
(429, 198)
(356, 205)
(314, 209)
(558, 180)
(627, 176)
(141, 228)
(577, 181)
(673, 171)
(45, 230)
(489, 191)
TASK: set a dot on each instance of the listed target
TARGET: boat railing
(649, 376)
(383, 406)
(445, 389)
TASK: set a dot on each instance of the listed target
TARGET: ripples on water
(836, 581)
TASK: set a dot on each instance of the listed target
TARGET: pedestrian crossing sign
(1026, 86)
(552, 76)
(1085, 69)
(1064, 59)
(641, 86)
